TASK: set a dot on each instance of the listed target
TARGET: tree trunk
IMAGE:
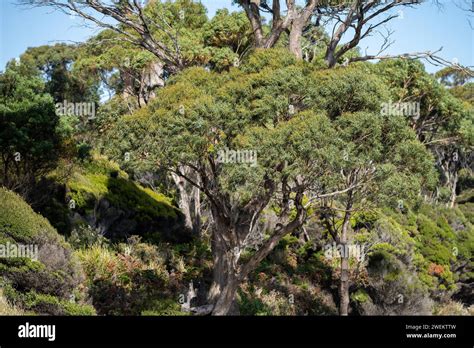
(196, 210)
(219, 270)
(128, 83)
(330, 58)
(226, 248)
(454, 183)
(344, 283)
(295, 40)
(189, 203)
(151, 78)
(227, 297)
(225, 253)
(225, 281)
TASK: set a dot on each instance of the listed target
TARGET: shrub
(164, 307)
(56, 271)
(452, 308)
(124, 282)
(6, 308)
(48, 304)
(85, 236)
(393, 288)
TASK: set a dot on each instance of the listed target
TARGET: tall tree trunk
(220, 267)
(225, 281)
(344, 283)
(227, 296)
(296, 34)
(196, 210)
(151, 78)
(330, 57)
(189, 202)
(227, 237)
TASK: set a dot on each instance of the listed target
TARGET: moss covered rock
(102, 196)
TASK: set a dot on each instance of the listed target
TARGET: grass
(7, 308)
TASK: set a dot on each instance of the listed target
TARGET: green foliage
(126, 282)
(84, 236)
(6, 308)
(435, 241)
(47, 304)
(360, 296)
(451, 76)
(268, 59)
(165, 307)
(108, 114)
(349, 89)
(408, 80)
(29, 141)
(248, 305)
(152, 213)
(402, 165)
(464, 92)
(209, 124)
(63, 82)
(227, 30)
(20, 223)
(228, 35)
(54, 271)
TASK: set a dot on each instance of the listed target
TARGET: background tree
(382, 164)
(131, 20)
(295, 21)
(354, 20)
(452, 77)
(358, 15)
(29, 140)
(171, 31)
(57, 65)
(443, 121)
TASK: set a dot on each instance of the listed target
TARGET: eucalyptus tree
(256, 140)
(177, 34)
(383, 164)
(252, 145)
(287, 17)
(136, 22)
(56, 63)
(442, 122)
(342, 24)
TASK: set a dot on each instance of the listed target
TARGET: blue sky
(424, 28)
